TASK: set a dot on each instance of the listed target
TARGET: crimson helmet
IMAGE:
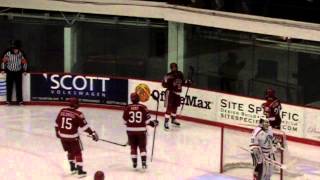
(134, 97)
(99, 175)
(74, 102)
(173, 65)
(269, 93)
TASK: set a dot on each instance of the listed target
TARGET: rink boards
(203, 105)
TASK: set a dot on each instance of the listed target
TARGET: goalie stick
(268, 160)
(292, 172)
(111, 142)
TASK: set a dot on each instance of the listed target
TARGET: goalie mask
(134, 98)
(264, 124)
(74, 102)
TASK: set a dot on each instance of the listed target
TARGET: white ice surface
(30, 150)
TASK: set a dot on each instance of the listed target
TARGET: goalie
(261, 146)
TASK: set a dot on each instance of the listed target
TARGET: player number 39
(135, 116)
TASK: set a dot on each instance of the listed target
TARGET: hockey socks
(79, 161)
(81, 172)
(134, 162)
(166, 122)
(144, 161)
(71, 159)
(73, 168)
(173, 120)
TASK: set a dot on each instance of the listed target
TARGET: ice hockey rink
(29, 149)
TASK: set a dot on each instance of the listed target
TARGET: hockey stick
(155, 95)
(190, 76)
(268, 160)
(111, 142)
(288, 167)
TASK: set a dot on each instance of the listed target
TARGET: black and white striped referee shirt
(14, 62)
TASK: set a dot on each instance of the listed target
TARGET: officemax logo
(194, 101)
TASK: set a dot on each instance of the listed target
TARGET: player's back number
(135, 116)
(66, 123)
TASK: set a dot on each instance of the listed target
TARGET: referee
(14, 64)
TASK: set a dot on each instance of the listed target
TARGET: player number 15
(66, 123)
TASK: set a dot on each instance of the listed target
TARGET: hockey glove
(188, 82)
(95, 136)
(154, 123)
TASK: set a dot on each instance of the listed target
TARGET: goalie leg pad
(267, 171)
(258, 171)
(257, 156)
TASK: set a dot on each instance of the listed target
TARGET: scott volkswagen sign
(88, 88)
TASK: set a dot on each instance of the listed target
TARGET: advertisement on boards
(238, 110)
(220, 107)
(89, 89)
(144, 90)
(312, 124)
(25, 88)
(198, 103)
(243, 111)
(3, 87)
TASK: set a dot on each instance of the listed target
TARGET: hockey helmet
(99, 175)
(269, 93)
(134, 97)
(173, 66)
(74, 102)
(264, 123)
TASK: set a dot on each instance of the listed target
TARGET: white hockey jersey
(262, 139)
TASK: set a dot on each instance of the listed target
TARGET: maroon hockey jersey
(69, 121)
(136, 117)
(272, 108)
(173, 81)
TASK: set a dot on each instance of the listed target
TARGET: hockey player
(173, 81)
(261, 147)
(137, 117)
(68, 122)
(272, 108)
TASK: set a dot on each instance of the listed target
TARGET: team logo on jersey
(143, 92)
